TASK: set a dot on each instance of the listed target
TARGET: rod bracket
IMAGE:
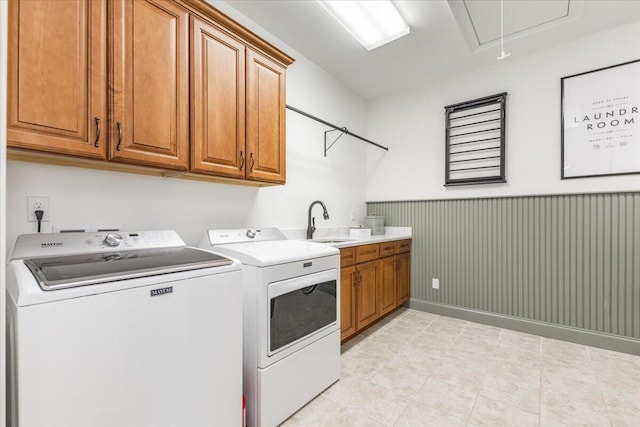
(342, 132)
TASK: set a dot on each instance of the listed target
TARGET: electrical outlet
(435, 283)
(35, 203)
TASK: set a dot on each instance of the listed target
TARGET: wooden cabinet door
(347, 302)
(387, 285)
(403, 278)
(150, 50)
(57, 76)
(387, 249)
(347, 256)
(265, 119)
(367, 293)
(367, 252)
(217, 102)
(403, 246)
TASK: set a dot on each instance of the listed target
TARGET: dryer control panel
(243, 235)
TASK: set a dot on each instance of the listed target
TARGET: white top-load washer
(122, 329)
(291, 304)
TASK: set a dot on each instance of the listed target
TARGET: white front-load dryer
(291, 324)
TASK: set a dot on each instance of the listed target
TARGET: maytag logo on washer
(51, 244)
(161, 291)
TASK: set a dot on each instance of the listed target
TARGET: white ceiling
(447, 36)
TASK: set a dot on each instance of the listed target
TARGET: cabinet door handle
(241, 160)
(253, 162)
(119, 126)
(96, 143)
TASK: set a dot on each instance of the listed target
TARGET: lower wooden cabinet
(403, 268)
(358, 297)
(347, 302)
(387, 291)
(367, 283)
(373, 288)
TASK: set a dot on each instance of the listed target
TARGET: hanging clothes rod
(342, 129)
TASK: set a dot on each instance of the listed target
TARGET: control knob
(113, 239)
(251, 234)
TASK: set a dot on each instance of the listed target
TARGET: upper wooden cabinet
(265, 119)
(238, 108)
(57, 77)
(150, 89)
(217, 101)
(182, 87)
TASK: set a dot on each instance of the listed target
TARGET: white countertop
(330, 236)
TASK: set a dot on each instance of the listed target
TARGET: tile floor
(420, 369)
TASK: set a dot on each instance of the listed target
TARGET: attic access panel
(479, 21)
(475, 141)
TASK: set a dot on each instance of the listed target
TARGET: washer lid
(59, 272)
(266, 253)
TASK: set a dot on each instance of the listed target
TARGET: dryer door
(301, 307)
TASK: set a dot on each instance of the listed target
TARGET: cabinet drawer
(367, 252)
(347, 256)
(387, 248)
(403, 246)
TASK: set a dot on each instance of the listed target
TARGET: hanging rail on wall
(343, 130)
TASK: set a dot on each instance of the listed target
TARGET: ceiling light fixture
(372, 23)
(502, 55)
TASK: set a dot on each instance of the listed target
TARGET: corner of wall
(3, 207)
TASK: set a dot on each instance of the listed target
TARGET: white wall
(412, 124)
(91, 197)
(3, 201)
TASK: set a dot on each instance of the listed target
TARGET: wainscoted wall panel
(571, 260)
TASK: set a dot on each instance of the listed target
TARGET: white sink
(330, 240)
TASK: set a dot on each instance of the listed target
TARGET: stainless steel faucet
(311, 222)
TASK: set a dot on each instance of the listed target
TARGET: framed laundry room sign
(601, 122)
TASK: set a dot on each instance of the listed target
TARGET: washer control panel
(113, 239)
(52, 244)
